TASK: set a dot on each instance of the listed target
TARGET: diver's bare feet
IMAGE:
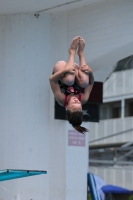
(81, 46)
(74, 45)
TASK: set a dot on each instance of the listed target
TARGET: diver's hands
(86, 69)
(70, 70)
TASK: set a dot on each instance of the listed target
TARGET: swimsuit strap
(79, 98)
(65, 102)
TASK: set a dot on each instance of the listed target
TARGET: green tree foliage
(131, 197)
(89, 197)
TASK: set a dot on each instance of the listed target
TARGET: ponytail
(75, 118)
(80, 129)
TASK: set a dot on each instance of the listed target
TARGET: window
(131, 109)
(128, 107)
(116, 112)
(124, 64)
(110, 110)
(103, 112)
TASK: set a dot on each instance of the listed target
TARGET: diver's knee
(83, 84)
(69, 80)
(59, 66)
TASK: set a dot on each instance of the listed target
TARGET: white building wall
(120, 84)
(24, 110)
(111, 126)
(57, 145)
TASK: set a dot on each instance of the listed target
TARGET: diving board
(9, 174)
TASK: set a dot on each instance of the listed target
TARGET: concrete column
(76, 164)
(122, 108)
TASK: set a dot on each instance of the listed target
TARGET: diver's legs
(68, 78)
(82, 74)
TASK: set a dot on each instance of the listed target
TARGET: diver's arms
(54, 77)
(59, 96)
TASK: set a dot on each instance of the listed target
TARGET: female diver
(67, 80)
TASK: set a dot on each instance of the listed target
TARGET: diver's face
(74, 104)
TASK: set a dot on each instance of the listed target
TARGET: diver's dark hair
(75, 118)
